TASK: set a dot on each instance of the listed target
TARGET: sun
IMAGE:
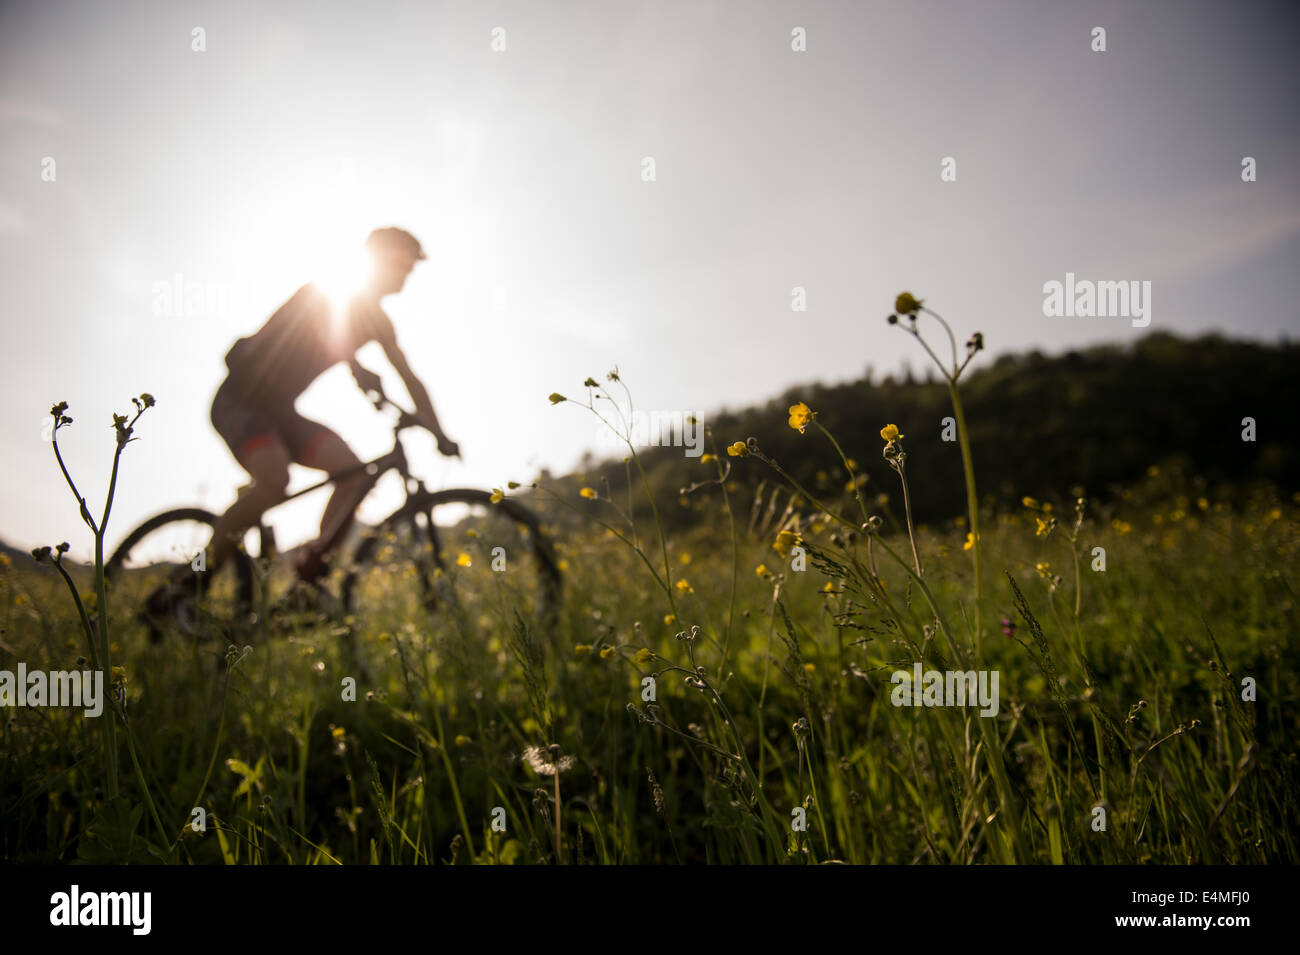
(312, 230)
(343, 269)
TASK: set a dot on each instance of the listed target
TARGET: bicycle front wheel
(454, 550)
(159, 550)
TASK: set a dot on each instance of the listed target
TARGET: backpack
(235, 357)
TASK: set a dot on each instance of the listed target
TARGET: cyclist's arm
(387, 338)
(366, 379)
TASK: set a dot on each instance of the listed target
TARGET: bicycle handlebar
(405, 419)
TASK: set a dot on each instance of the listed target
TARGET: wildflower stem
(451, 779)
(216, 746)
(623, 537)
(802, 490)
(853, 478)
(105, 654)
(139, 775)
(81, 613)
(558, 858)
(943, 370)
(907, 510)
(58, 456)
(951, 340)
(1078, 592)
(735, 573)
(963, 438)
(654, 508)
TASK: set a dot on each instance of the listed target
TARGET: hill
(1096, 419)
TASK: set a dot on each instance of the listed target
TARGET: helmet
(392, 239)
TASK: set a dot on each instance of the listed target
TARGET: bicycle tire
(540, 556)
(239, 562)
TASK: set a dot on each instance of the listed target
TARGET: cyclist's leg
(266, 459)
(315, 446)
(259, 447)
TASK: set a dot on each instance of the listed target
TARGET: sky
(513, 139)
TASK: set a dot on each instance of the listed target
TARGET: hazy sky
(241, 170)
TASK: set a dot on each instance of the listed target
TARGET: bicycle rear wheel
(454, 549)
(158, 552)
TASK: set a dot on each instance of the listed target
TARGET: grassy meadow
(717, 687)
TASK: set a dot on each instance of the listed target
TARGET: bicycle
(505, 533)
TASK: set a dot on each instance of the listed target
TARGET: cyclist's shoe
(307, 599)
(313, 568)
(171, 604)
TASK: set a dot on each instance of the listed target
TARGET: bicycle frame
(374, 470)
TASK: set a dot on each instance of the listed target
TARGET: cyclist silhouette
(254, 412)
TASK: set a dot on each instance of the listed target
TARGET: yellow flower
(119, 675)
(497, 495)
(582, 649)
(669, 619)
(810, 668)
(589, 493)
(890, 433)
(1043, 528)
(784, 541)
(684, 587)
(1044, 568)
(907, 304)
(708, 458)
(462, 740)
(761, 570)
(338, 732)
(801, 416)
(1122, 527)
(606, 653)
(555, 398)
(4, 560)
(970, 541)
(463, 560)
(1029, 502)
(829, 588)
(644, 656)
(738, 450)
(685, 558)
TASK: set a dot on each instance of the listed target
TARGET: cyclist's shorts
(247, 426)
